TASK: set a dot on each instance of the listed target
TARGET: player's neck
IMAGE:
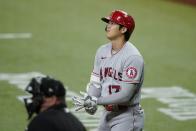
(118, 44)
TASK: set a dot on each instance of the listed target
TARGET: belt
(116, 108)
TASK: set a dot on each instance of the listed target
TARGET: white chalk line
(15, 35)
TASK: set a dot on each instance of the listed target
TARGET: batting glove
(87, 102)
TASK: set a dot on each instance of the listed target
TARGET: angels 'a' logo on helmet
(131, 72)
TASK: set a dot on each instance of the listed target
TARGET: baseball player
(116, 79)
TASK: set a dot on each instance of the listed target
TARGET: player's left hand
(87, 102)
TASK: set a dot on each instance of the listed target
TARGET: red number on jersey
(114, 89)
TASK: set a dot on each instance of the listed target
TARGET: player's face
(112, 30)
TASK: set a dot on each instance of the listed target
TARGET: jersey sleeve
(94, 87)
(95, 71)
(121, 97)
(95, 75)
(133, 70)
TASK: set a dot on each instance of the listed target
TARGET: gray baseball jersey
(120, 77)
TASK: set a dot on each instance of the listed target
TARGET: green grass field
(65, 35)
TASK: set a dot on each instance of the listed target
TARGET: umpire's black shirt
(55, 119)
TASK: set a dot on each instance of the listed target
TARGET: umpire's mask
(38, 88)
(33, 104)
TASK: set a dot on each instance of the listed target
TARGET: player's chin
(109, 36)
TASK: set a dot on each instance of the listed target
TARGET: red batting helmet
(122, 18)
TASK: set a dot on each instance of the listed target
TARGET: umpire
(48, 102)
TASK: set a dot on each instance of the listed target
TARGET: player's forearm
(121, 97)
(94, 89)
(94, 86)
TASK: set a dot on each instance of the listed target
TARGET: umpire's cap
(46, 86)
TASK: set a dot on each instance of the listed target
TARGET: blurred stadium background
(60, 38)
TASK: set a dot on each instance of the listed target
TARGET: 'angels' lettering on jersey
(110, 72)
